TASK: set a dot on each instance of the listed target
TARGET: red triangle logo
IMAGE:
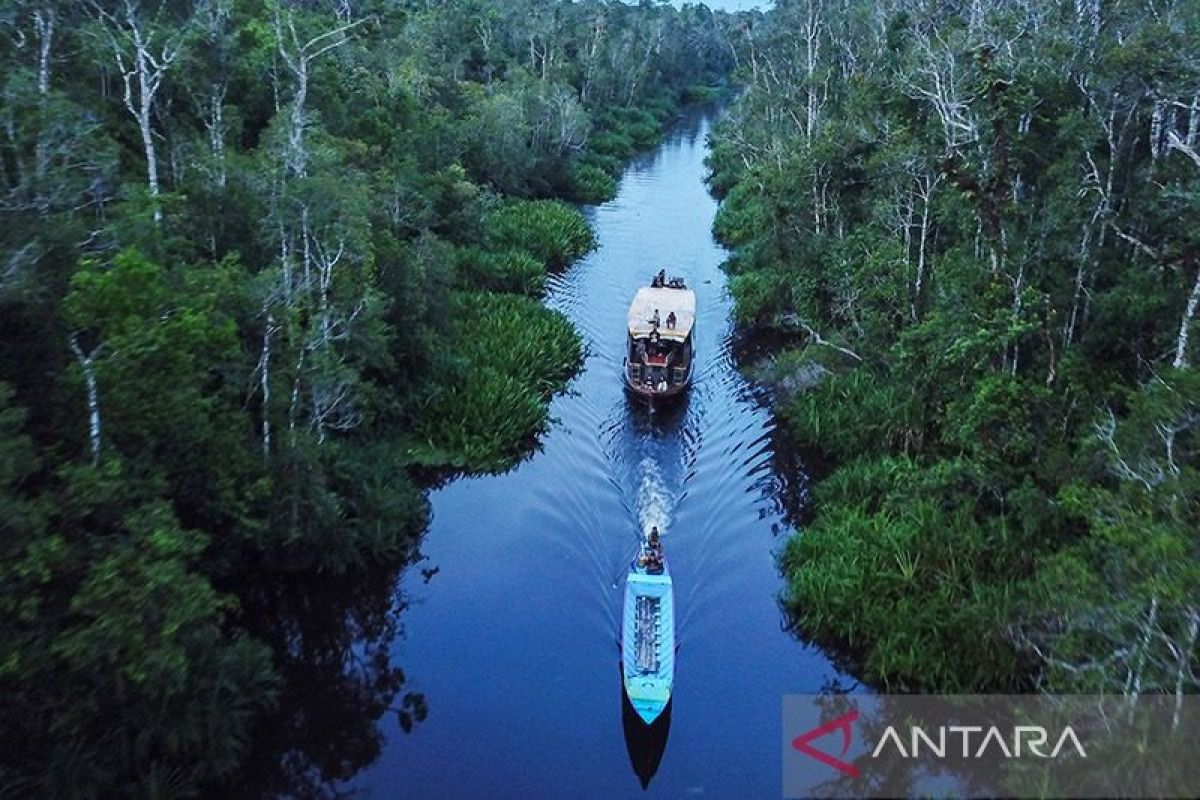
(842, 723)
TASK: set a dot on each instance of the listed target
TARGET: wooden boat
(659, 357)
(648, 638)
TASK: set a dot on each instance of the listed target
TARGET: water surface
(511, 619)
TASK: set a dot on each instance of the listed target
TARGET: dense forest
(266, 268)
(972, 222)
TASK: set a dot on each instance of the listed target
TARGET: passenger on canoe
(651, 557)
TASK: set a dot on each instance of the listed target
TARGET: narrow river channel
(510, 627)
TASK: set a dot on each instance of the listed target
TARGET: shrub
(914, 586)
(591, 184)
(514, 355)
(513, 271)
(699, 93)
(617, 146)
(551, 231)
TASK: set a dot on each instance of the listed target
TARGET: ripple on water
(512, 642)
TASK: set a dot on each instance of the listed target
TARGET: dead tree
(144, 52)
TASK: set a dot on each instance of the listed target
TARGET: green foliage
(515, 354)
(1096, 600)
(269, 312)
(591, 183)
(116, 662)
(699, 93)
(857, 412)
(514, 271)
(1016, 442)
(549, 230)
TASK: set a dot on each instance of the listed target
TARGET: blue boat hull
(648, 642)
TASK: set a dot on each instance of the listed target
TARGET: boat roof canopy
(666, 300)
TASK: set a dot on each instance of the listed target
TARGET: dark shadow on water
(658, 418)
(645, 743)
(331, 637)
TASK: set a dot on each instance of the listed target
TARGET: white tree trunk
(142, 71)
(43, 20)
(1185, 324)
(926, 185)
(1183, 663)
(87, 365)
(265, 384)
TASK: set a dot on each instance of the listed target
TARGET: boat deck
(646, 633)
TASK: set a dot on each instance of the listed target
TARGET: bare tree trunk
(215, 124)
(43, 21)
(926, 184)
(1185, 324)
(299, 57)
(265, 384)
(1133, 680)
(144, 126)
(1183, 661)
(87, 363)
(1193, 131)
(142, 71)
(812, 39)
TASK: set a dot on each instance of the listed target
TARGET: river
(510, 619)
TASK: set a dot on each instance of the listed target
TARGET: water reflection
(645, 743)
(332, 641)
(516, 634)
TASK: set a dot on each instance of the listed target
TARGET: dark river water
(508, 624)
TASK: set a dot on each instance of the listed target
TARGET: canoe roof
(666, 300)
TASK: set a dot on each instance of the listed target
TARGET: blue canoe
(648, 641)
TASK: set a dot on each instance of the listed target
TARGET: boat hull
(650, 393)
(648, 642)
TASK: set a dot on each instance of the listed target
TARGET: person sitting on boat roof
(671, 320)
(659, 280)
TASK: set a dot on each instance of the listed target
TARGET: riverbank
(1006, 394)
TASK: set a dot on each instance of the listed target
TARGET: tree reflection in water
(333, 640)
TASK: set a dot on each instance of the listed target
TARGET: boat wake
(655, 499)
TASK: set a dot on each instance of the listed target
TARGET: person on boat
(640, 353)
(651, 556)
(654, 320)
(671, 320)
(654, 349)
(659, 280)
(654, 551)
